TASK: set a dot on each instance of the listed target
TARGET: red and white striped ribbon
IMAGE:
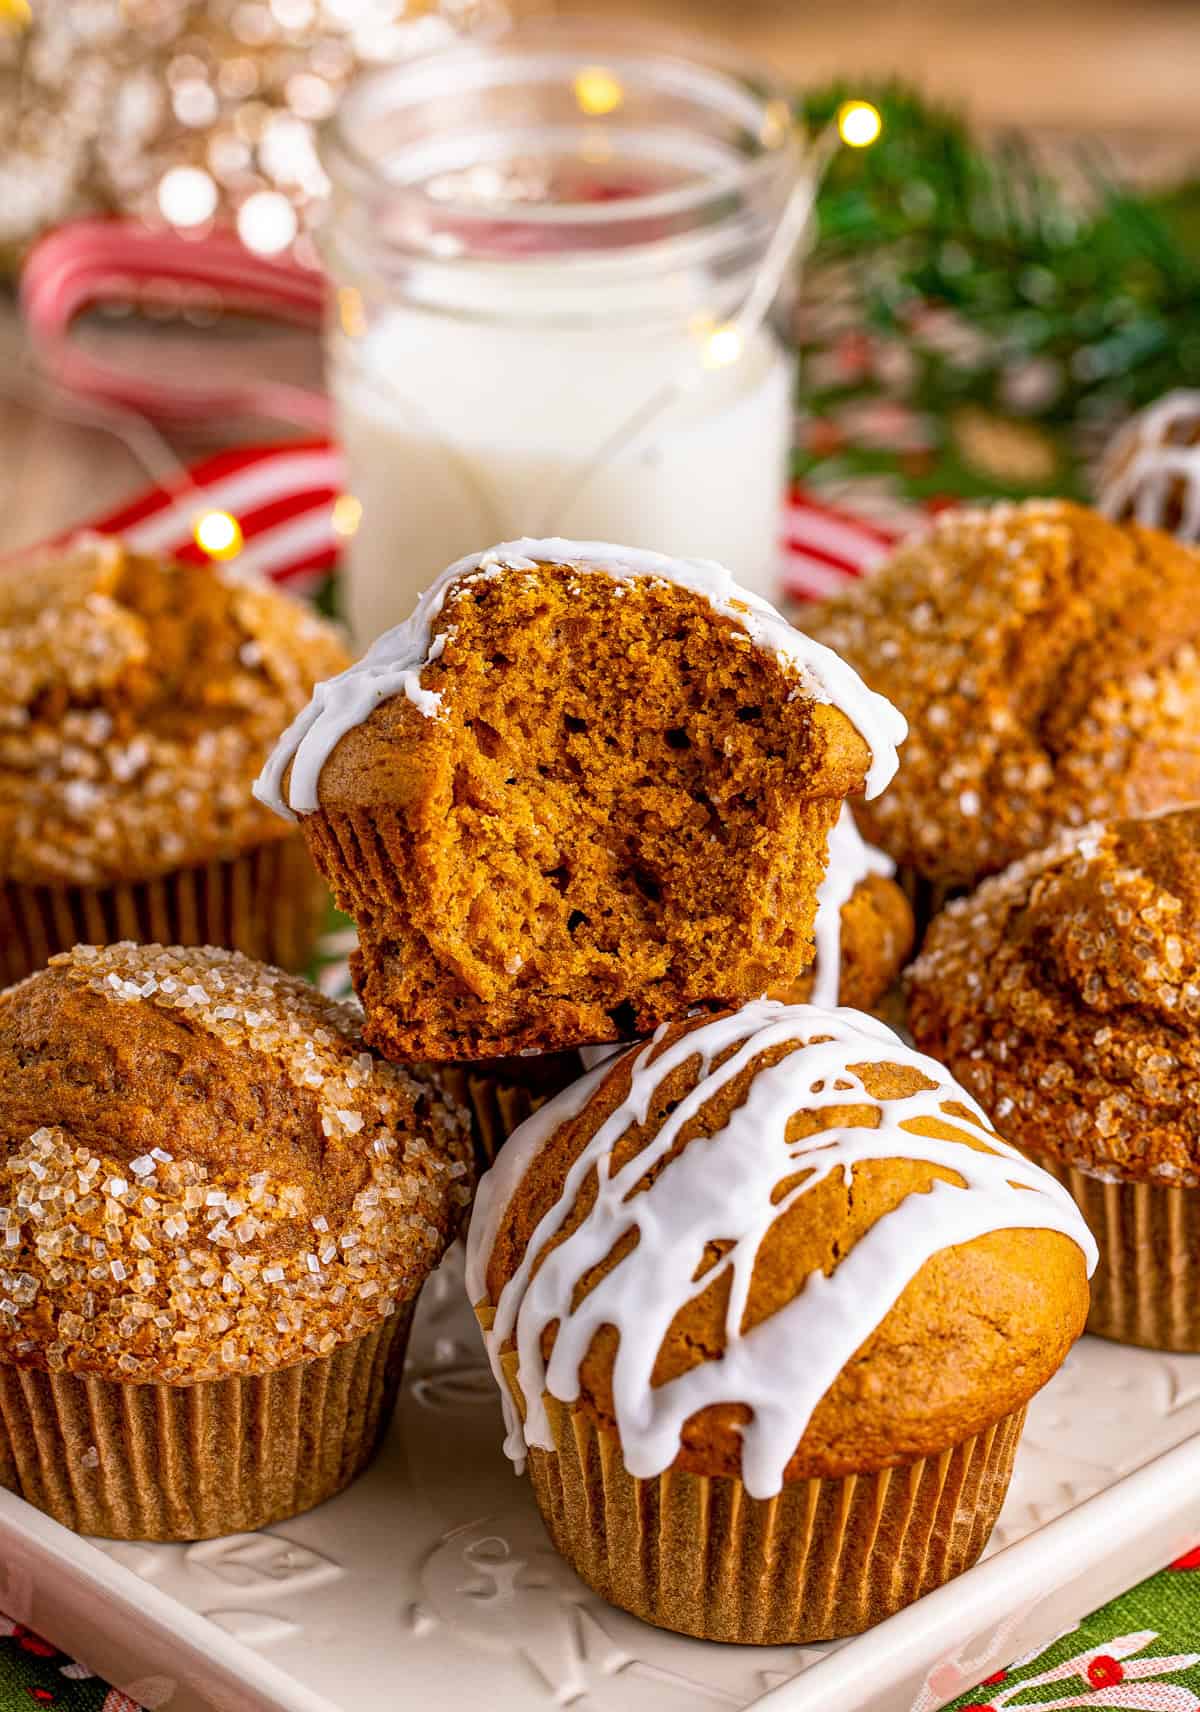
(283, 498)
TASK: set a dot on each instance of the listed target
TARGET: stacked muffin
(586, 794)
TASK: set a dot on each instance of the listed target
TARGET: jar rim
(545, 51)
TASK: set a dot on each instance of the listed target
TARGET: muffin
(138, 699)
(863, 930)
(1151, 469)
(824, 1430)
(217, 1211)
(1065, 993)
(1046, 660)
(581, 791)
(864, 935)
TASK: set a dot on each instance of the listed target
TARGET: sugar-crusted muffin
(1151, 470)
(216, 1211)
(1065, 993)
(1047, 662)
(766, 1298)
(138, 700)
(582, 790)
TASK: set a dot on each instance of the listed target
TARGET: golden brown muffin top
(1065, 993)
(562, 590)
(886, 1276)
(138, 699)
(1046, 660)
(205, 1172)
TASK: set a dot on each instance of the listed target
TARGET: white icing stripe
(850, 860)
(392, 665)
(721, 1190)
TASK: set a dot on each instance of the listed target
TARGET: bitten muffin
(217, 1209)
(1151, 470)
(1065, 993)
(138, 699)
(1047, 662)
(864, 936)
(581, 791)
(766, 1298)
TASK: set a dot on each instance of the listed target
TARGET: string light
(219, 534)
(187, 196)
(351, 314)
(597, 90)
(15, 15)
(722, 346)
(347, 514)
(267, 222)
(859, 124)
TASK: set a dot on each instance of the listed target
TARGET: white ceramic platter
(430, 1583)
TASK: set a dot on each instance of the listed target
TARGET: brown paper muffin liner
(267, 902)
(824, 1559)
(189, 1462)
(1146, 1289)
(497, 1103)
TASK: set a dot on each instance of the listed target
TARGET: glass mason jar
(537, 246)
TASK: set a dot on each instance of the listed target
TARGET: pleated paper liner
(266, 902)
(1146, 1289)
(822, 1560)
(500, 1095)
(190, 1462)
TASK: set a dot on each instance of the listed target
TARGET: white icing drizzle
(1144, 472)
(850, 860)
(720, 1190)
(394, 663)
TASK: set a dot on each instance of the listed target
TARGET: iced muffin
(1065, 993)
(1047, 662)
(581, 791)
(766, 1298)
(217, 1211)
(1151, 470)
(138, 700)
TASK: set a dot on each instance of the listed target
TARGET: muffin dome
(582, 790)
(1046, 661)
(886, 1276)
(138, 700)
(1151, 470)
(1065, 993)
(204, 1172)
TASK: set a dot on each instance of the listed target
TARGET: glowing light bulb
(859, 124)
(351, 313)
(266, 222)
(347, 514)
(722, 346)
(187, 196)
(219, 534)
(15, 15)
(597, 90)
